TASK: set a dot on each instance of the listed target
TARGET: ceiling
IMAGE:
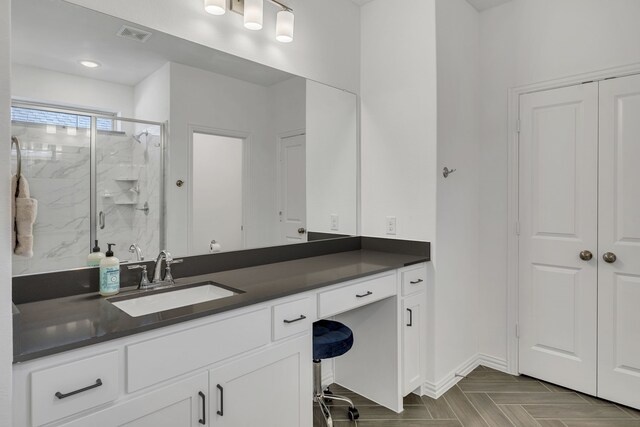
(55, 35)
(480, 5)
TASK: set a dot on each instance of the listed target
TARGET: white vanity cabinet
(246, 367)
(414, 326)
(264, 389)
(180, 404)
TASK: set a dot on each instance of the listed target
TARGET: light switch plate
(391, 225)
(335, 226)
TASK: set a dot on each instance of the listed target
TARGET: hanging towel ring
(14, 141)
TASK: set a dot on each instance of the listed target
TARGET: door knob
(609, 257)
(301, 230)
(586, 255)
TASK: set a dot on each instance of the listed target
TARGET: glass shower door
(128, 164)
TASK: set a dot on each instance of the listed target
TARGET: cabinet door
(270, 389)
(619, 233)
(413, 342)
(181, 404)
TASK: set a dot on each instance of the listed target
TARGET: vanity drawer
(292, 318)
(355, 295)
(414, 281)
(159, 359)
(74, 387)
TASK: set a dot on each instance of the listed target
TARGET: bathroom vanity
(234, 361)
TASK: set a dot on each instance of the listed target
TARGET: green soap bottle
(94, 258)
(109, 273)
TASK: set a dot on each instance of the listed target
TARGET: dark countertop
(57, 325)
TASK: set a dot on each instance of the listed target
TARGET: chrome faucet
(135, 249)
(168, 277)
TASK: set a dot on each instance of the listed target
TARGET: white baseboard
(493, 362)
(435, 390)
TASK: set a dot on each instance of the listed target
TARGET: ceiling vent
(134, 33)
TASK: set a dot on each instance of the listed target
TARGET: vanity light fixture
(284, 26)
(253, 12)
(215, 7)
(89, 64)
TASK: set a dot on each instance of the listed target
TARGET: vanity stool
(330, 339)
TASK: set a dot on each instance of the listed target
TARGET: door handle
(101, 221)
(410, 317)
(301, 230)
(586, 255)
(609, 257)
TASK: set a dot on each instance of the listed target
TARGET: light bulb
(253, 14)
(215, 7)
(284, 26)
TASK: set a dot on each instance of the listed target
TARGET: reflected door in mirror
(217, 198)
(293, 212)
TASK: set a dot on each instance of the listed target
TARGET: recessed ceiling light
(89, 64)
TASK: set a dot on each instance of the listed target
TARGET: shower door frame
(94, 115)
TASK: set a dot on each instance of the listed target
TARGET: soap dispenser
(94, 258)
(109, 273)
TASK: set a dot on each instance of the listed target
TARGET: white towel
(24, 210)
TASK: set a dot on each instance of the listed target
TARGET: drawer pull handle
(415, 282)
(203, 420)
(410, 317)
(221, 411)
(80, 390)
(364, 295)
(302, 317)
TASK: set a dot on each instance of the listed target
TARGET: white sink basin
(139, 306)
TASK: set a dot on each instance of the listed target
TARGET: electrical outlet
(391, 225)
(334, 222)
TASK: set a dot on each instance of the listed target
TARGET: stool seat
(331, 339)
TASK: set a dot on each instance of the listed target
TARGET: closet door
(558, 221)
(619, 235)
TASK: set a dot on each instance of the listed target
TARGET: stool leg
(317, 378)
(318, 394)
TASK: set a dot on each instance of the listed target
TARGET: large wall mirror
(158, 142)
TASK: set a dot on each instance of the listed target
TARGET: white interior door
(619, 234)
(558, 219)
(293, 211)
(217, 185)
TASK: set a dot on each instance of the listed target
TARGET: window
(32, 115)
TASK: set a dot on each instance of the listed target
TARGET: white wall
(456, 263)
(398, 120)
(331, 159)
(38, 84)
(6, 341)
(326, 45)
(202, 98)
(522, 42)
(151, 97)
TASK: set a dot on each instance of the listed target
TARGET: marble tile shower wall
(57, 166)
(129, 177)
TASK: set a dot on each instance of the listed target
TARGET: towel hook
(14, 141)
(446, 172)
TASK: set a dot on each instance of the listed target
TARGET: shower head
(139, 135)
